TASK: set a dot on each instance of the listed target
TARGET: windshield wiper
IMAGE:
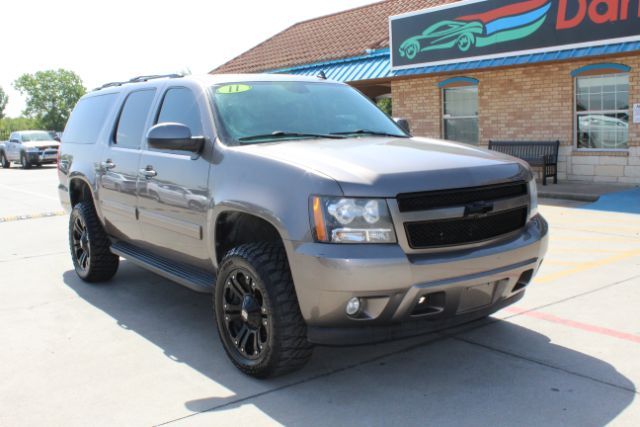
(283, 134)
(369, 132)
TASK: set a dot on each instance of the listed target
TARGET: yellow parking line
(587, 266)
(31, 216)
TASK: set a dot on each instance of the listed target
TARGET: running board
(192, 277)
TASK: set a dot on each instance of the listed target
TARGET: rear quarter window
(87, 119)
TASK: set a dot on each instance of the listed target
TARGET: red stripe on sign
(512, 9)
(576, 325)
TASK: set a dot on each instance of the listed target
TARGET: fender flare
(225, 207)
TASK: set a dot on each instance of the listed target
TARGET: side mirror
(403, 123)
(174, 136)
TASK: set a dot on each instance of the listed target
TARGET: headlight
(346, 220)
(533, 196)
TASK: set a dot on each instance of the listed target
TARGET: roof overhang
(377, 65)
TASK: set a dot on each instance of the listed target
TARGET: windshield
(36, 136)
(255, 112)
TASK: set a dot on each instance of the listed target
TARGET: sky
(116, 39)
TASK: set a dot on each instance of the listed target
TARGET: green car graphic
(464, 35)
(443, 35)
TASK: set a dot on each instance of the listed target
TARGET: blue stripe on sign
(517, 21)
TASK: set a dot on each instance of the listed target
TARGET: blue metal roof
(377, 64)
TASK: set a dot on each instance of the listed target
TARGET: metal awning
(377, 64)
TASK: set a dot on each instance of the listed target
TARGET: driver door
(173, 226)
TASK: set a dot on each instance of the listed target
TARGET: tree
(3, 102)
(8, 125)
(385, 105)
(51, 95)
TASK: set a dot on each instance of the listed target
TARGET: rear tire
(257, 311)
(6, 164)
(24, 161)
(90, 246)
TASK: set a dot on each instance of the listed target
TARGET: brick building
(566, 70)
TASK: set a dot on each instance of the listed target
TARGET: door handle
(148, 172)
(107, 165)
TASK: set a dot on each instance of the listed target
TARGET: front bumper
(42, 157)
(410, 294)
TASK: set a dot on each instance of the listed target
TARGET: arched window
(460, 109)
(602, 107)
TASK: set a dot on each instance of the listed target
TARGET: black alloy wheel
(246, 317)
(256, 308)
(80, 244)
(90, 246)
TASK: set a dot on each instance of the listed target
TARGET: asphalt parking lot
(143, 351)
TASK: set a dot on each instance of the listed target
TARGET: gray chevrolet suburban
(310, 215)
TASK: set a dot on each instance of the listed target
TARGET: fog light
(353, 306)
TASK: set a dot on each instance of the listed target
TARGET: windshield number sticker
(230, 89)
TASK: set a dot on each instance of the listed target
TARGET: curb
(569, 196)
(34, 216)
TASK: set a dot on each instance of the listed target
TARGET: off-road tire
(6, 164)
(287, 348)
(103, 264)
(24, 161)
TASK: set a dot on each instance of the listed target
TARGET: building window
(460, 108)
(602, 112)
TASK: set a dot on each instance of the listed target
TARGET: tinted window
(133, 119)
(87, 119)
(180, 106)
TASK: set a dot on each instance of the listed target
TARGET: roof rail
(140, 79)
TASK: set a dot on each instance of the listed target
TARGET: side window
(602, 112)
(179, 106)
(133, 119)
(87, 119)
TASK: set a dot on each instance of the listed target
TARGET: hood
(386, 167)
(41, 144)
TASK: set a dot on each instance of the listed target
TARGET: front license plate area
(475, 297)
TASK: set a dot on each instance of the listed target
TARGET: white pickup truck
(29, 148)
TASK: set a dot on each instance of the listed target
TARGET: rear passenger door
(118, 167)
(173, 210)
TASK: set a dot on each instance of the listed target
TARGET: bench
(537, 153)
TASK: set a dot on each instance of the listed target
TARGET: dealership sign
(482, 29)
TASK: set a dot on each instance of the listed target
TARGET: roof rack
(140, 79)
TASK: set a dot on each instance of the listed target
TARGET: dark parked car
(319, 220)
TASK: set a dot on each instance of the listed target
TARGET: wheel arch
(80, 190)
(233, 226)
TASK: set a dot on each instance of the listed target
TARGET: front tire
(90, 246)
(257, 312)
(6, 164)
(24, 161)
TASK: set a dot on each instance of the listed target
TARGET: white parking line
(6, 187)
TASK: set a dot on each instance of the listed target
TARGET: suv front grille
(456, 197)
(468, 230)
